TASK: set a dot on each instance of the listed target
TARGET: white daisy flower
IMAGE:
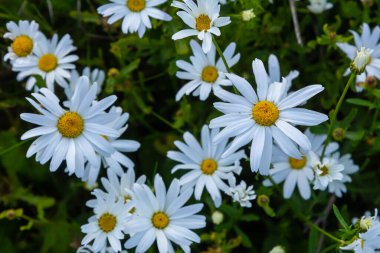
(370, 41)
(319, 6)
(122, 188)
(241, 193)
(203, 19)
(275, 73)
(87, 249)
(225, 1)
(264, 117)
(136, 14)
(163, 217)
(107, 224)
(51, 60)
(117, 159)
(204, 72)
(205, 165)
(368, 242)
(25, 37)
(325, 171)
(95, 76)
(297, 172)
(366, 221)
(72, 134)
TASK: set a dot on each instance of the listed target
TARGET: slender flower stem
(295, 22)
(14, 147)
(158, 116)
(324, 232)
(333, 118)
(221, 54)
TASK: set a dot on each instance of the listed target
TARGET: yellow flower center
(265, 113)
(209, 166)
(297, 164)
(48, 62)
(160, 220)
(136, 5)
(107, 222)
(324, 169)
(22, 45)
(203, 22)
(70, 125)
(210, 74)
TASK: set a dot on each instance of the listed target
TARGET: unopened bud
(263, 200)
(339, 134)
(112, 72)
(247, 15)
(217, 217)
(370, 82)
(362, 59)
(278, 249)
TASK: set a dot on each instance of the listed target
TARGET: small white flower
(162, 216)
(319, 6)
(107, 224)
(241, 193)
(326, 171)
(217, 217)
(277, 249)
(25, 37)
(204, 72)
(205, 165)
(136, 14)
(361, 60)
(368, 242)
(247, 15)
(88, 249)
(203, 19)
(50, 60)
(370, 40)
(72, 134)
(225, 1)
(260, 118)
(95, 76)
(366, 221)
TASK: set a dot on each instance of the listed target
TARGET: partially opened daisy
(260, 118)
(205, 165)
(204, 72)
(136, 14)
(73, 134)
(25, 37)
(368, 42)
(95, 76)
(241, 193)
(51, 60)
(275, 73)
(202, 18)
(367, 242)
(106, 226)
(162, 217)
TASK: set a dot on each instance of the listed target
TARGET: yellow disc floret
(160, 220)
(265, 113)
(209, 166)
(70, 125)
(203, 22)
(107, 222)
(297, 164)
(210, 74)
(48, 62)
(324, 169)
(22, 46)
(136, 5)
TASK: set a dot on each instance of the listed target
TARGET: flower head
(247, 15)
(241, 193)
(361, 60)
(319, 6)
(326, 171)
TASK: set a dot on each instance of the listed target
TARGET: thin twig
(323, 220)
(295, 21)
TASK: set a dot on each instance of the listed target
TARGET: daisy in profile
(367, 42)
(95, 76)
(162, 217)
(297, 172)
(319, 6)
(136, 14)
(106, 226)
(275, 73)
(73, 134)
(25, 37)
(51, 60)
(260, 118)
(205, 165)
(326, 171)
(117, 160)
(204, 73)
(202, 18)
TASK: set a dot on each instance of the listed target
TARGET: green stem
(322, 231)
(221, 54)
(14, 147)
(158, 116)
(333, 119)
(373, 125)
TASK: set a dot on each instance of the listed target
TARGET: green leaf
(313, 240)
(340, 218)
(245, 240)
(361, 102)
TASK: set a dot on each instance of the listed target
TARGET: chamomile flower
(51, 60)
(107, 224)
(204, 72)
(117, 160)
(241, 193)
(95, 76)
(162, 217)
(325, 171)
(297, 172)
(202, 18)
(205, 165)
(366, 221)
(368, 41)
(261, 118)
(72, 134)
(319, 6)
(88, 249)
(25, 37)
(136, 14)
(275, 73)
(367, 242)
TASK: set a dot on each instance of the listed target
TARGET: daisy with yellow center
(326, 171)
(203, 19)
(72, 134)
(136, 14)
(263, 116)
(163, 217)
(205, 165)
(51, 60)
(205, 73)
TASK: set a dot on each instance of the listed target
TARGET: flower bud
(217, 217)
(247, 15)
(278, 249)
(339, 134)
(362, 59)
(370, 82)
(112, 72)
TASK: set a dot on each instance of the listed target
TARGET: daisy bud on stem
(247, 15)
(217, 217)
(362, 59)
